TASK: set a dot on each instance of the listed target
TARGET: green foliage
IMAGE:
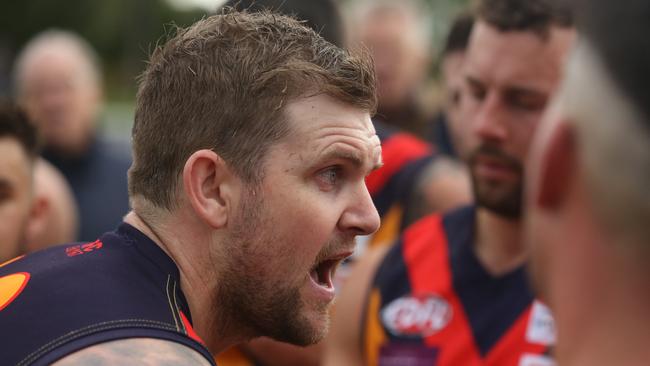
(122, 31)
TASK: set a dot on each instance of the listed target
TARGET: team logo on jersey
(417, 315)
(11, 286)
(541, 326)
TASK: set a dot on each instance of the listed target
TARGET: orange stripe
(390, 226)
(233, 356)
(12, 260)
(375, 336)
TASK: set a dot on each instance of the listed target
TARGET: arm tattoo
(135, 351)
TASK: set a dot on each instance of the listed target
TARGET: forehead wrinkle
(358, 150)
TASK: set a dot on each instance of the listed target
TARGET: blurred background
(123, 32)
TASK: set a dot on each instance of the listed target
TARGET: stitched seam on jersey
(95, 328)
(169, 300)
(178, 310)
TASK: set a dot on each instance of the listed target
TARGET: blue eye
(330, 176)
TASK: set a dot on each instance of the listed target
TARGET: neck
(498, 244)
(198, 280)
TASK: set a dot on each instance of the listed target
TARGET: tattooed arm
(135, 351)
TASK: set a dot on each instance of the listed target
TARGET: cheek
(304, 225)
(12, 218)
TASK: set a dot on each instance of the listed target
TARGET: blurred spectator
(56, 209)
(59, 84)
(18, 150)
(449, 131)
(588, 205)
(397, 35)
(322, 16)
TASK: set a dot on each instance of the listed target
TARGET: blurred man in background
(588, 199)
(397, 35)
(18, 153)
(59, 84)
(453, 290)
(449, 130)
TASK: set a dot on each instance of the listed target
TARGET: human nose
(488, 122)
(361, 216)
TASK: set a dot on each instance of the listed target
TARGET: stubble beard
(503, 198)
(247, 301)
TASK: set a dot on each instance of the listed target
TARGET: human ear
(37, 222)
(208, 183)
(558, 165)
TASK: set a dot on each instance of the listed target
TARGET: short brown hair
(526, 15)
(222, 84)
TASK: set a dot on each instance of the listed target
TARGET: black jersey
(66, 298)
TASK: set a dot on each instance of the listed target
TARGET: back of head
(607, 97)
(222, 84)
(320, 15)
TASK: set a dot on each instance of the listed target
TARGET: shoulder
(134, 351)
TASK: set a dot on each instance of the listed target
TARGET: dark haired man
(453, 290)
(588, 205)
(449, 129)
(18, 151)
(251, 141)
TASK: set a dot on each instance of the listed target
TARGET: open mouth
(323, 272)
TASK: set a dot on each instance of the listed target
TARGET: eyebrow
(516, 90)
(509, 89)
(474, 81)
(352, 156)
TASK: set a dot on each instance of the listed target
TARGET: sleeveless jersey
(432, 303)
(66, 298)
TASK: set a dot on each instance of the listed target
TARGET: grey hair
(58, 39)
(422, 21)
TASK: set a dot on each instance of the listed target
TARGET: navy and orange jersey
(66, 298)
(404, 157)
(432, 303)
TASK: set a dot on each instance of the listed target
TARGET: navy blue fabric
(492, 304)
(127, 288)
(99, 183)
(440, 136)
